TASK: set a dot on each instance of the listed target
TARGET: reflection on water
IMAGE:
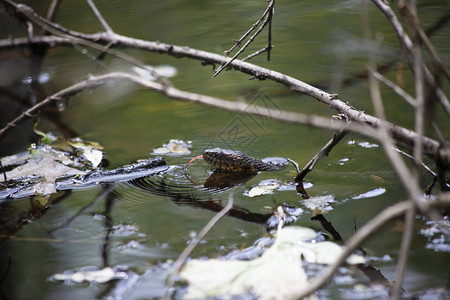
(140, 224)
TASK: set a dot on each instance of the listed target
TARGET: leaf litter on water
(277, 274)
(34, 172)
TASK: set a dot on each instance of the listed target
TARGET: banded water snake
(236, 161)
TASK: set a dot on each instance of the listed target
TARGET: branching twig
(193, 243)
(242, 38)
(410, 216)
(268, 13)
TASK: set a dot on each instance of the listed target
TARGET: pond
(134, 227)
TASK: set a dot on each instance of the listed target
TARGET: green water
(128, 121)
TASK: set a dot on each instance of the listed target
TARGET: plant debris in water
(268, 186)
(91, 275)
(319, 204)
(277, 274)
(370, 194)
(174, 147)
(437, 240)
(35, 172)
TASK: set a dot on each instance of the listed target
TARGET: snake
(226, 160)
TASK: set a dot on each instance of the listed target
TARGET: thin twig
(243, 37)
(419, 109)
(269, 32)
(100, 17)
(401, 92)
(250, 40)
(404, 251)
(52, 9)
(354, 243)
(427, 168)
(256, 53)
(193, 243)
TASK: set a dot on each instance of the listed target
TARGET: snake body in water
(236, 161)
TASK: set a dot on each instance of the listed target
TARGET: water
(129, 122)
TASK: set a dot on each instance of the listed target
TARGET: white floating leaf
(174, 147)
(263, 188)
(372, 193)
(99, 276)
(277, 274)
(319, 203)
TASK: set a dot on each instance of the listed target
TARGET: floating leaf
(90, 150)
(372, 193)
(45, 165)
(98, 275)
(319, 204)
(174, 147)
(267, 186)
(262, 189)
(277, 274)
